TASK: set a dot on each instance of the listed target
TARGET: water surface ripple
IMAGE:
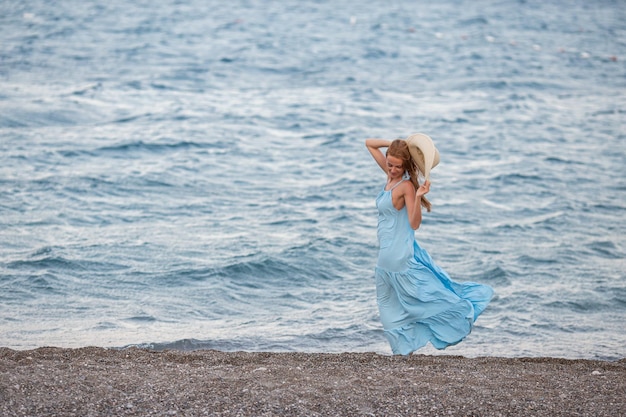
(193, 175)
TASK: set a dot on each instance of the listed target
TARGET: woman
(417, 300)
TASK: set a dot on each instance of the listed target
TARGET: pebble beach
(95, 381)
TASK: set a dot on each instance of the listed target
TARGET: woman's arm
(413, 201)
(374, 145)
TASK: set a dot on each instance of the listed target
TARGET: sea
(192, 174)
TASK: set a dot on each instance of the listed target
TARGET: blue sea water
(193, 175)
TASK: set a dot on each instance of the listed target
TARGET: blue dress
(417, 300)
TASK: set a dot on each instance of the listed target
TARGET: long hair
(400, 149)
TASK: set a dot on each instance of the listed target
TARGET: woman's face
(394, 167)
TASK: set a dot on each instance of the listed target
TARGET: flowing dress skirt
(422, 304)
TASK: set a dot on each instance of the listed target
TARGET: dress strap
(396, 184)
(405, 177)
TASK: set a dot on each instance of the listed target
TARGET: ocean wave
(607, 249)
(199, 178)
(43, 116)
(155, 147)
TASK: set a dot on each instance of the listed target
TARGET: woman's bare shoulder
(408, 187)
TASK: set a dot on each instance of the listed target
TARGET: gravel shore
(107, 382)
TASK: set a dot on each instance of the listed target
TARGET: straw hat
(423, 152)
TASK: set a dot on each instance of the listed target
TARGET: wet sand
(106, 382)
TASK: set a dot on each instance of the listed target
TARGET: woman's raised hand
(423, 189)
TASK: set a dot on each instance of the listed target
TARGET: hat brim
(423, 152)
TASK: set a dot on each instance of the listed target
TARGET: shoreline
(94, 381)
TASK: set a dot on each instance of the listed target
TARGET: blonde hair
(400, 149)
